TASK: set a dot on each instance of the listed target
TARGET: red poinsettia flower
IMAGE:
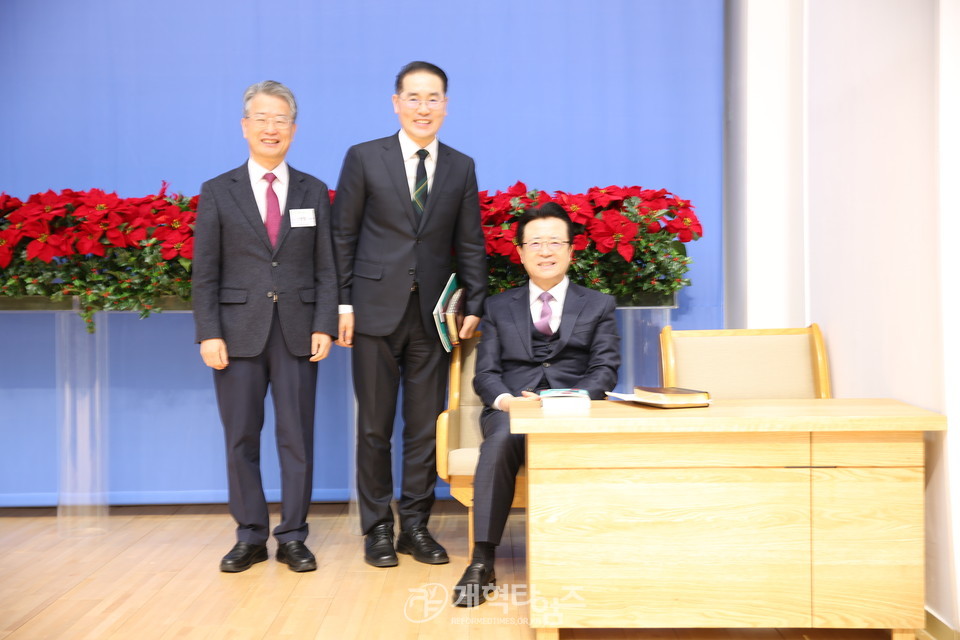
(143, 213)
(503, 202)
(517, 190)
(110, 223)
(519, 194)
(47, 205)
(177, 247)
(604, 197)
(580, 242)
(87, 242)
(652, 224)
(496, 209)
(97, 200)
(651, 200)
(8, 241)
(540, 198)
(46, 246)
(174, 223)
(8, 201)
(611, 230)
(35, 211)
(685, 225)
(576, 205)
(500, 239)
(14, 232)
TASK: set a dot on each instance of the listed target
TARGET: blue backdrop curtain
(121, 95)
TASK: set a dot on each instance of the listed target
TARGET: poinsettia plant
(110, 253)
(128, 254)
(628, 241)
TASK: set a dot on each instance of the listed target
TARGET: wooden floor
(154, 574)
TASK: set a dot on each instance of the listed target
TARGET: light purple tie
(543, 324)
(273, 210)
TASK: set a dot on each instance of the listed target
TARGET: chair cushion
(463, 462)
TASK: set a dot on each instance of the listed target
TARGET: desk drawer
(867, 449)
(668, 450)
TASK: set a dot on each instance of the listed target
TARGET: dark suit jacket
(383, 246)
(585, 356)
(236, 272)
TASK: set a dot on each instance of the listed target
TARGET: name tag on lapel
(303, 218)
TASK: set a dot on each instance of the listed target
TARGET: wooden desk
(747, 513)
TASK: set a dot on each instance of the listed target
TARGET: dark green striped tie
(420, 187)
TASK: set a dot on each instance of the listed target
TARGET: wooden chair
(459, 436)
(747, 363)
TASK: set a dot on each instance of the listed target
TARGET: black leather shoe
(378, 547)
(478, 581)
(243, 556)
(297, 556)
(418, 542)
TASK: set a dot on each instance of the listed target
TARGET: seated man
(547, 334)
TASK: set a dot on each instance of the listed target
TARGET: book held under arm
(454, 314)
(440, 315)
(665, 397)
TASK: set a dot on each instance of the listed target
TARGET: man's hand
(470, 324)
(319, 346)
(345, 339)
(214, 353)
(525, 396)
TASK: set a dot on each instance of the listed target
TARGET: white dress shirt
(259, 184)
(409, 150)
(559, 293)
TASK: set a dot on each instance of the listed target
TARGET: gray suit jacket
(586, 354)
(382, 245)
(236, 273)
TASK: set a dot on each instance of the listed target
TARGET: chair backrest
(747, 363)
(461, 394)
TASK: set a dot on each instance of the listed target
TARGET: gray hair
(270, 88)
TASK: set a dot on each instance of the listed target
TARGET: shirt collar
(409, 148)
(559, 290)
(282, 171)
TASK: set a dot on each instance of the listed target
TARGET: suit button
(546, 364)
(419, 241)
(411, 272)
(270, 294)
(274, 264)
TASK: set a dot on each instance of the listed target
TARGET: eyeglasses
(553, 245)
(260, 121)
(432, 104)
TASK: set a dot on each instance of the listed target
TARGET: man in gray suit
(406, 215)
(549, 333)
(265, 308)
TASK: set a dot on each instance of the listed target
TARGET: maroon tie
(273, 210)
(543, 324)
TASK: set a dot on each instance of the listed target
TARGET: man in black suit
(265, 308)
(406, 215)
(547, 334)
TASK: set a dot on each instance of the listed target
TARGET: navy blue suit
(585, 355)
(265, 302)
(384, 251)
